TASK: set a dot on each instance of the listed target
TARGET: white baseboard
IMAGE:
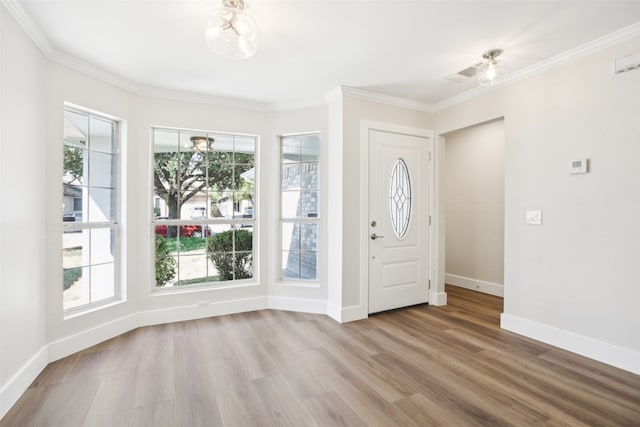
(352, 313)
(475, 285)
(191, 312)
(297, 304)
(20, 381)
(334, 311)
(611, 354)
(437, 298)
(347, 314)
(87, 338)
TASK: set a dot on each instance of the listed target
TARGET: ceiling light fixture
(231, 32)
(491, 72)
(200, 144)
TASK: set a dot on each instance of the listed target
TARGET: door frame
(365, 127)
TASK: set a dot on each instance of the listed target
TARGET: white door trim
(365, 127)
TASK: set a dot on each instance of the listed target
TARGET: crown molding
(79, 65)
(611, 39)
(386, 99)
(296, 105)
(25, 21)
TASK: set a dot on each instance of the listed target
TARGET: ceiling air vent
(627, 63)
(464, 75)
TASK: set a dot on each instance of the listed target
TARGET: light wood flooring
(420, 366)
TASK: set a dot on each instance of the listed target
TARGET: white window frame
(233, 222)
(299, 220)
(114, 225)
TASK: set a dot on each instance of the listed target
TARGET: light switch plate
(534, 217)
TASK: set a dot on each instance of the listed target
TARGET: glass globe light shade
(491, 72)
(232, 33)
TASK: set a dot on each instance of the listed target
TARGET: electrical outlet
(203, 304)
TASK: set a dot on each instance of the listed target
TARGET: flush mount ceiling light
(231, 32)
(491, 72)
(201, 143)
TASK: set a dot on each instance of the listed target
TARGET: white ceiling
(398, 48)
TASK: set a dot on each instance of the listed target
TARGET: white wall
(22, 216)
(474, 198)
(573, 281)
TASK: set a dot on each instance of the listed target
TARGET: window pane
(192, 239)
(308, 265)
(76, 129)
(310, 148)
(195, 142)
(310, 204)
(220, 252)
(72, 196)
(166, 261)
(102, 135)
(222, 142)
(291, 176)
(245, 148)
(244, 203)
(308, 237)
(165, 141)
(194, 204)
(216, 156)
(243, 240)
(310, 176)
(291, 149)
(73, 253)
(101, 205)
(290, 265)
(192, 269)
(290, 204)
(73, 165)
(102, 170)
(221, 204)
(102, 282)
(75, 284)
(291, 236)
(102, 245)
(245, 159)
(243, 177)
(243, 265)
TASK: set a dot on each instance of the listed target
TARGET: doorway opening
(473, 182)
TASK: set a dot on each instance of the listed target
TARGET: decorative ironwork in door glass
(400, 198)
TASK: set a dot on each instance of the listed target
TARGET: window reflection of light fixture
(201, 143)
(491, 72)
(231, 32)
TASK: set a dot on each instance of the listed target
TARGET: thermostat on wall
(578, 166)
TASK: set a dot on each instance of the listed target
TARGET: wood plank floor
(421, 366)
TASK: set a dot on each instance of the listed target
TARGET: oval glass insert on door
(400, 198)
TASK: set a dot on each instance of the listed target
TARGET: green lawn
(186, 244)
(197, 280)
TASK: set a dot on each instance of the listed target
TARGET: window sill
(77, 312)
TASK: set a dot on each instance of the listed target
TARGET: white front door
(398, 220)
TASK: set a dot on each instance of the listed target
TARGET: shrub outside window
(90, 210)
(300, 205)
(203, 207)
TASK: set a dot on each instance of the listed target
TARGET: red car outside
(185, 230)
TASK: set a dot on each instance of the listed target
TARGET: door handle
(374, 236)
